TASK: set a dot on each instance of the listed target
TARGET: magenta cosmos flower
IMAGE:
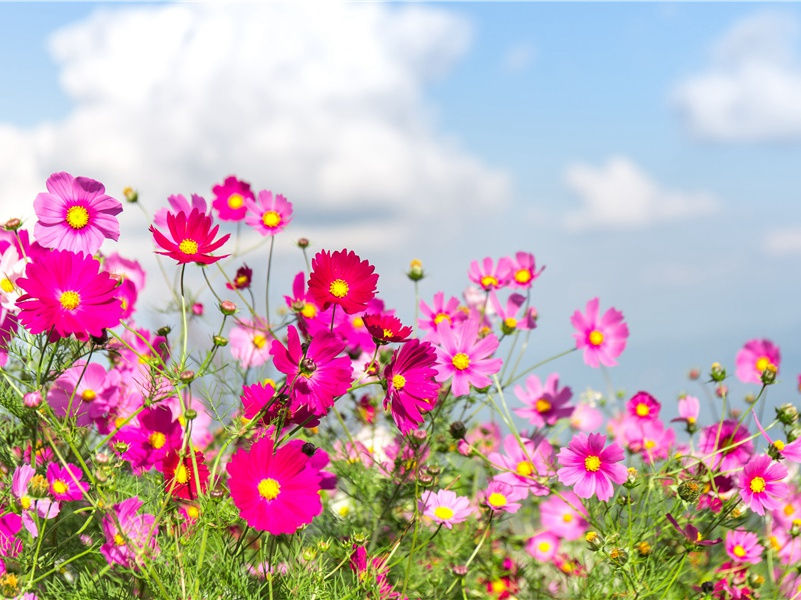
(191, 238)
(385, 328)
(743, 547)
(543, 546)
(642, 406)
(230, 197)
(439, 312)
(268, 214)
(761, 485)
(276, 491)
(314, 378)
(445, 507)
(67, 292)
(129, 535)
(754, 357)
(75, 214)
(342, 278)
(411, 389)
(564, 516)
(523, 270)
(465, 358)
(65, 483)
(791, 451)
(488, 275)
(603, 339)
(726, 444)
(84, 392)
(545, 404)
(590, 468)
(178, 204)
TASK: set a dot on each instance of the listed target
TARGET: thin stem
(267, 285)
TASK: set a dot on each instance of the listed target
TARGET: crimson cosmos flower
(342, 278)
(192, 238)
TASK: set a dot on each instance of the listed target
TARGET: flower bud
(187, 376)
(219, 340)
(755, 580)
(425, 479)
(415, 272)
(419, 435)
(795, 528)
(721, 391)
(717, 372)
(309, 449)
(164, 331)
(644, 548)
(787, 414)
(458, 430)
(131, 195)
(190, 414)
(775, 450)
(303, 243)
(12, 224)
(197, 309)
(32, 399)
(592, 539)
(459, 570)
(631, 478)
(689, 490)
(794, 433)
(768, 376)
(227, 307)
(618, 556)
(694, 373)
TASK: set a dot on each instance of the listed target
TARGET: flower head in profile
(386, 328)
(603, 338)
(242, 279)
(545, 404)
(465, 358)
(510, 320)
(761, 485)
(275, 490)
(778, 448)
(445, 507)
(439, 312)
(411, 389)
(756, 356)
(590, 468)
(230, 197)
(75, 214)
(129, 535)
(343, 279)
(191, 238)
(67, 292)
(269, 213)
(743, 546)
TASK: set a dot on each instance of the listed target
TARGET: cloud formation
(620, 195)
(785, 241)
(751, 90)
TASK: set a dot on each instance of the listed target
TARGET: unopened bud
(689, 490)
(717, 372)
(187, 376)
(131, 195)
(644, 548)
(419, 435)
(12, 224)
(750, 398)
(694, 373)
(618, 556)
(309, 449)
(227, 307)
(197, 309)
(459, 570)
(190, 414)
(425, 479)
(768, 376)
(755, 580)
(795, 528)
(787, 414)
(32, 399)
(164, 331)
(458, 430)
(303, 242)
(415, 272)
(631, 478)
(794, 433)
(592, 539)
(721, 391)
(219, 340)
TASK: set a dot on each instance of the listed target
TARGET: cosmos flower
(502, 497)
(242, 279)
(343, 279)
(386, 328)
(791, 451)
(523, 463)
(75, 214)
(523, 270)
(761, 485)
(439, 312)
(147, 444)
(191, 238)
(84, 392)
(488, 275)
(565, 516)
(11, 268)
(65, 483)
(29, 500)
(129, 535)
(643, 406)
(754, 357)
(726, 444)
(545, 404)
(464, 358)
(411, 389)
(275, 490)
(249, 342)
(230, 197)
(178, 204)
(181, 479)
(66, 292)
(269, 213)
(543, 546)
(602, 339)
(590, 468)
(508, 314)
(445, 507)
(743, 547)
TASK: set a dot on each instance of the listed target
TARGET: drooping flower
(445, 507)
(602, 339)
(191, 238)
(743, 546)
(75, 214)
(690, 533)
(275, 490)
(8, 328)
(689, 407)
(546, 404)
(754, 357)
(564, 516)
(65, 483)
(67, 292)
(178, 204)
(386, 328)
(726, 444)
(465, 358)
(523, 270)
(488, 275)
(590, 468)
(543, 546)
(343, 279)
(316, 377)
(510, 322)
(761, 485)
(125, 269)
(230, 197)
(411, 389)
(268, 214)
(129, 535)
(242, 279)
(185, 477)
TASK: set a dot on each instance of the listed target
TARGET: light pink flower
(523, 270)
(510, 322)
(761, 485)
(586, 418)
(590, 468)
(249, 343)
(543, 546)
(546, 404)
(439, 312)
(129, 535)
(445, 507)
(269, 213)
(565, 518)
(743, 547)
(179, 203)
(603, 338)
(465, 358)
(488, 275)
(754, 357)
(502, 497)
(524, 466)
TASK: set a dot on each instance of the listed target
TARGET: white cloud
(783, 242)
(751, 90)
(518, 57)
(619, 195)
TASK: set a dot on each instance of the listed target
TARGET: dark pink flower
(178, 204)
(386, 328)
(130, 536)
(545, 404)
(411, 389)
(191, 238)
(147, 444)
(590, 468)
(230, 197)
(523, 270)
(726, 444)
(65, 483)
(464, 358)
(756, 356)
(343, 279)
(488, 275)
(761, 485)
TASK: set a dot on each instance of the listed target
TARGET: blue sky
(506, 118)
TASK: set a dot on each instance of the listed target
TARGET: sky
(647, 154)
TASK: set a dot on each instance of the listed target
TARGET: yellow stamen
(592, 463)
(88, 395)
(70, 299)
(357, 322)
(25, 502)
(522, 276)
(157, 439)
(119, 540)
(789, 509)
(444, 513)
(59, 487)
(181, 474)
(738, 551)
(388, 333)
(188, 246)
(193, 512)
(259, 341)
(567, 517)
(489, 281)
(271, 219)
(338, 288)
(779, 445)
(461, 361)
(524, 468)
(77, 217)
(497, 500)
(596, 337)
(542, 405)
(544, 546)
(643, 410)
(269, 488)
(398, 381)
(235, 201)
(309, 311)
(6, 285)
(510, 322)
(762, 363)
(440, 317)
(757, 485)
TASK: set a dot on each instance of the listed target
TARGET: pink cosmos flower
(183, 477)
(230, 197)
(546, 404)
(439, 312)
(179, 204)
(761, 485)
(45, 508)
(125, 269)
(242, 279)
(590, 468)
(565, 518)
(488, 275)
(68, 293)
(586, 418)
(12, 266)
(249, 342)
(643, 407)
(343, 279)
(690, 533)
(411, 389)
(445, 507)
(269, 214)
(523, 270)
(523, 466)
(726, 444)
(275, 491)
(743, 547)
(651, 438)
(689, 407)
(301, 302)
(75, 214)
(65, 483)
(791, 451)
(84, 392)
(316, 377)
(10, 526)
(191, 238)
(602, 339)
(543, 546)
(386, 328)
(502, 497)
(129, 535)
(8, 328)
(465, 358)
(754, 357)
(510, 322)
(147, 444)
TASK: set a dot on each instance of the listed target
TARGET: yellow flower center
(271, 219)
(25, 502)
(440, 317)
(524, 468)
(542, 405)
(6, 285)
(779, 445)
(757, 485)
(522, 276)
(544, 546)
(567, 517)
(181, 474)
(188, 246)
(592, 463)
(241, 280)
(157, 439)
(88, 395)
(489, 281)
(789, 509)
(235, 201)
(738, 551)
(193, 512)
(510, 322)
(59, 487)
(70, 299)
(259, 341)
(497, 500)
(119, 540)
(643, 410)
(398, 381)
(649, 444)
(498, 586)
(269, 488)
(77, 217)
(596, 337)
(338, 288)
(461, 361)
(762, 363)
(309, 311)
(388, 333)
(444, 513)
(357, 322)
